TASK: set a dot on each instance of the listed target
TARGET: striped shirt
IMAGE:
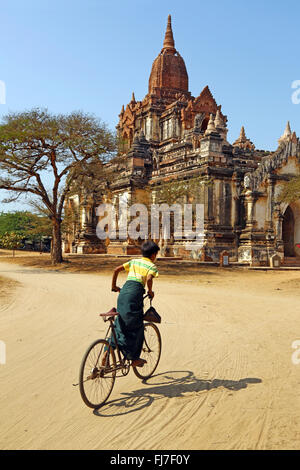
(139, 268)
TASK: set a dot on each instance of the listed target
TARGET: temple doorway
(288, 232)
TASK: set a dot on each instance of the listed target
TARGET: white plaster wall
(260, 212)
(291, 168)
(277, 191)
(148, 128)
(83, 217)
(75, 199)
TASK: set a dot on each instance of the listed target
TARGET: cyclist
(129, 323)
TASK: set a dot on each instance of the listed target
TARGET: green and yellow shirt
(139, 268)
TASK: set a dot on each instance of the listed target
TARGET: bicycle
(98, 371)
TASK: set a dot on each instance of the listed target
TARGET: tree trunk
(56, 250)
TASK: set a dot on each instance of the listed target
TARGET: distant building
(42, 245)
(171, 135)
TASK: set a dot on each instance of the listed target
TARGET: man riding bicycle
(129, 325)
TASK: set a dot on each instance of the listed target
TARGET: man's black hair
(149, 248)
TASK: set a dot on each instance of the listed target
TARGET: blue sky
(91, 54)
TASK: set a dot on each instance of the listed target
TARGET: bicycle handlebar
(150, 298)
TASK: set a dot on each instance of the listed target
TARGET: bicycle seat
(111, 313)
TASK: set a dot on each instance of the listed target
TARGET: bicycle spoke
(96, 381)
(150, 352)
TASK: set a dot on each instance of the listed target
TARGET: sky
(90, 55)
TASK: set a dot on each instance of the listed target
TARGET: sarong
(129, 326)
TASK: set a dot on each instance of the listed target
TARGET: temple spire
(287, 133)
(169, 42)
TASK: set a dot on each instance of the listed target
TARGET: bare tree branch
(36, 141)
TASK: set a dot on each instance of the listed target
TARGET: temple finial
(288, 129)
(243, 134)
(169, 42)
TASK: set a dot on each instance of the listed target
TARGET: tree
(40, 227)
(36, 143)
(290, 191)
(17, 221)
(25, 223)
(11, 241)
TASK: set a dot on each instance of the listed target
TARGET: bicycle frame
(121, 362)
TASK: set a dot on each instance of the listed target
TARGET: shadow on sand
(169, 384)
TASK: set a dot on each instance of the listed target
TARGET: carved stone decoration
(274, 161)
(242, 142)
(247, 182)
(199, 118)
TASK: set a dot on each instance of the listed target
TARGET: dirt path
(225, 381)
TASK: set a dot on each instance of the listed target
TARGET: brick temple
(173, 136)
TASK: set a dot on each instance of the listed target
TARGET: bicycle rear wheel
(151, 351)
(96, 381)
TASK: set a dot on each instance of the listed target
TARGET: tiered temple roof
(168, 94)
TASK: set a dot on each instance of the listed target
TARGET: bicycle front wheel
(97, 374)
(151, 351)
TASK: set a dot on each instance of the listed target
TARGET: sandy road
(225, 381)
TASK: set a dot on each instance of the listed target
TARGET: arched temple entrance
(288, 232)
